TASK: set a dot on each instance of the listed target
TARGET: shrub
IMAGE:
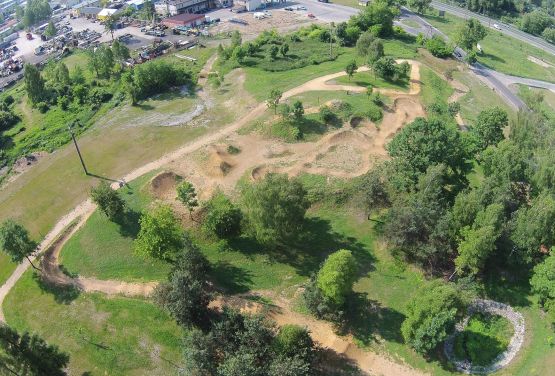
(374, 113)
(336, 277)
(7, 120)
(42, 107)
(437, 47)
(223, 218)
(108, 200)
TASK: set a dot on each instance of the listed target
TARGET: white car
(301, 7)
(496, 26)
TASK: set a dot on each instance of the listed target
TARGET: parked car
(310, 15)
(301, 7)
(496, 26)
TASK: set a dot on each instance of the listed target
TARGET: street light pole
(78, 151)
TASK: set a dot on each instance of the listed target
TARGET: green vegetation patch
(366, 79)
(103, 335)
(484, 338)
(104, 249)
(6, 267)
(435, 89)
(501, 52)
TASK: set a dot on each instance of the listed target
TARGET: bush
(97, 96)
(108, 200)
(374, 113)
(7, 120)
(223, 218)
(157, 76)
(437, 47)
(42, 107)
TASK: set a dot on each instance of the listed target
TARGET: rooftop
(185, 17)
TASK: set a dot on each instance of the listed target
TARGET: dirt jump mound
(219, 162)
(163, 185)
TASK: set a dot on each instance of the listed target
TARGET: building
(106, 13)
(136, 4)
(89, 12)
(77, 10)
(174, 7)
(364, 3)
(184, 20)
(250, 5)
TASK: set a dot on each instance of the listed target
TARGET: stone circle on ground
(503, 359)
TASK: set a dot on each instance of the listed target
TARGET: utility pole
(78, 151)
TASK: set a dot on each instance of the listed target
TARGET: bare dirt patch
(280, 20)
(540, 62)
(163, 185)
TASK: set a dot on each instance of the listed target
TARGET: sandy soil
(540, 62)
(460, 91)
(280, 20)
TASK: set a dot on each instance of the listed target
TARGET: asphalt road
(504, 28)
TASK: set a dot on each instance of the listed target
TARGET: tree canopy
(470, 33)
(337, 276)
(15, 241)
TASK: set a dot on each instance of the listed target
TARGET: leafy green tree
(337, 276)
(78, 76)
(543, 279)
(375, 190)
(236, 39)
(284, 49)
(470, 33)
(222, 218)
(27, 354)
(186, 294)
(273, 99)
(351, 68)
(160, 235)
(293, 340)
(187, 194)
(200, 353)
(536, 22)
(50, 30)
(157, 76)
(108, 200)
(549, 34)
(420, 6)
(110, 25)
(417, 225)
(34, 84)
(431, 316)
(534, 226)
(489, 126)
(239, 54)
(273, 52)
(16, 243)
(384, 68)
(438, 47)
(375, 51)
(120, 51)
(478, 241)
(297, 109)
(290, 366)
(364, 42)
(275, 208)
(101, 61)
(424, 143)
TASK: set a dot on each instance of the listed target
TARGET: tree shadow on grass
(63, 294)
(508, 284)
(232, 279)
(328, 362)
(312, 126)
(368, 321)
(307, 252)
(493, 57)
(128, 223)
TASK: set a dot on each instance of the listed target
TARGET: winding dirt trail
(51, 245)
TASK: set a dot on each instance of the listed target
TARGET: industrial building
(175, 7)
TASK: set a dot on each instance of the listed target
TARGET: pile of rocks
(503, 359)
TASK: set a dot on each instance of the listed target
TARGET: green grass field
(6, 267)
(503, 53)
(434, 88)
(103, 249)
(103, 336)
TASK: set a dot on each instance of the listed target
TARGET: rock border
(503, 359)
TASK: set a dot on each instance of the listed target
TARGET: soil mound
(219, 164)
(163, 185)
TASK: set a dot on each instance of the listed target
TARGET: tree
(437, 47)
(549, 34)
(364, 42)
(478, 241)
(239, 54)
(293, 340)
(29, 355)
(50, 30)
(284, 49)
(420, 6)
(78, 77)
(375, 51)
(275, 208)
(536, 22)
(337, 276)
(431, 316)
(534, 226)
(470, 33)
(543, 279)
(34, 84)
(186, 294)
(160, 235)
(489, 126)
(273, 99)
(424, 143)
(236, 39)
(273, 52)
(16, 243)
(108, 200)
(120, 51)
(101, 61)
(187, 194)
(351, 68)
(110, 25)
(384, 68)
(375, 191)
(222, 218)
(297, 109)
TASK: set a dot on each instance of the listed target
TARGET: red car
(310, 15)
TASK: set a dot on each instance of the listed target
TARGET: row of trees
(34, 12)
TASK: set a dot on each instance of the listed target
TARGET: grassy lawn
(103, 249)
(434, 88)
(478, 98)
(259, 82)
(503, 53)
(103, 336)
(531, 94)
(6, 268)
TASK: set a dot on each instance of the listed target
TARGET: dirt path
(322, 333)
(460, 91)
